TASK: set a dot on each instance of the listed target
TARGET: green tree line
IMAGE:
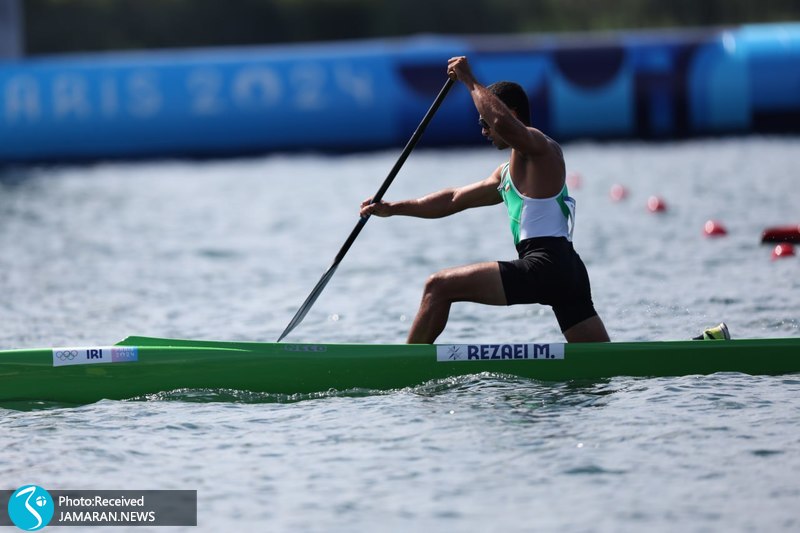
(91, 25)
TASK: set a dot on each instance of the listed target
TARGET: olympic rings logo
(67, 355)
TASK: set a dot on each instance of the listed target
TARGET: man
(532, 184)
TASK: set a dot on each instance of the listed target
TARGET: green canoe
(142, 365)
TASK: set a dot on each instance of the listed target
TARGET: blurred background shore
(87, 80)
(53, 26)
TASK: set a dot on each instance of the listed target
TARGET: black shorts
(549, 272)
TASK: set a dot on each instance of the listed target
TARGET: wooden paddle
(301, 313)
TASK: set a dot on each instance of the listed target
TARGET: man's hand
(458, 69)
(379, 209)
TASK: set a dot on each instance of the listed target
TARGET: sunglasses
(482, 121)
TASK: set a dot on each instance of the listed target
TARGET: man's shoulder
(552, 142)
(543, 144)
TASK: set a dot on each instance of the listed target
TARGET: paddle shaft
(412, 142)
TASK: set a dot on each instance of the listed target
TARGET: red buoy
(781, 234)
(782, 250)
(656, 204)
(618, 192)
(714, 228)
(574, 180)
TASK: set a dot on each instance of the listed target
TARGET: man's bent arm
(526, 140)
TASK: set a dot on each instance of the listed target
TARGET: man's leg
(478, 283)
(590, 330)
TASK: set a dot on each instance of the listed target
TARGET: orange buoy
(618, 192)
(656, 204)
(713, 228)
(781, 234)
(782, 250)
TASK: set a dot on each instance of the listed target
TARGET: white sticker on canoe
(91, 356)
(498, 352)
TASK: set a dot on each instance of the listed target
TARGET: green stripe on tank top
(562, 201)
(514, 205)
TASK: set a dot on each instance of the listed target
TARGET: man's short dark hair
(513, 95)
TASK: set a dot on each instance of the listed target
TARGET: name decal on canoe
(94, 355)
(488, 352)
(305, 348)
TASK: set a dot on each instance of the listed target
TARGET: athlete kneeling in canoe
(532, 184)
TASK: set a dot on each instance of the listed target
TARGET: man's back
(540, 173)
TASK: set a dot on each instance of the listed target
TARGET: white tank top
(537, 217)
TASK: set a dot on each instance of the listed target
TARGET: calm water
(228, 250)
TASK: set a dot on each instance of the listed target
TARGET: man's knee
(436, 286)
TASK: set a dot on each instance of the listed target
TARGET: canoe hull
(170, 364)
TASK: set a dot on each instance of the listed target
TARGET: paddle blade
(303, 311)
